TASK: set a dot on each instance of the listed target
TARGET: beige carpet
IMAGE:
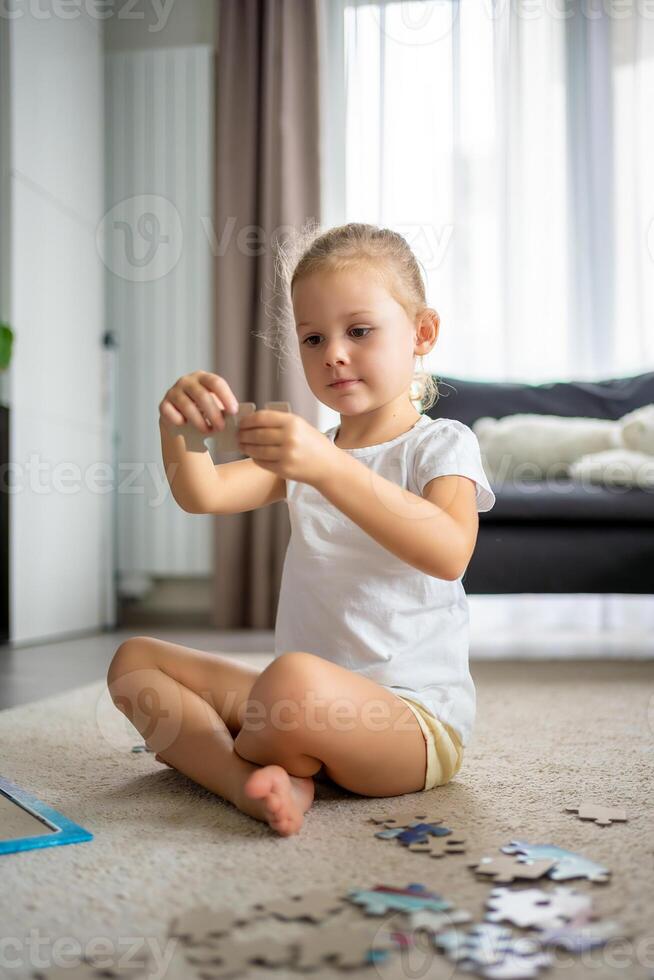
(548, 734)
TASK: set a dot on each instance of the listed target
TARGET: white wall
(60, 561)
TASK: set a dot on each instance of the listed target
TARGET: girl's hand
(287, 445)
(199, 399)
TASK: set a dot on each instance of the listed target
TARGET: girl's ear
(427, 329)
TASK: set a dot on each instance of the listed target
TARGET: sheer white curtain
(512, 144)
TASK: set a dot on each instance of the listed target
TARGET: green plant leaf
(6, 342)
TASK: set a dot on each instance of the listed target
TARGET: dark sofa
(558, 536)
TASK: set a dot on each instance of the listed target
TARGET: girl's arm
(190, 470)
(436, 538)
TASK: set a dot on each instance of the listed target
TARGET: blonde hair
(383, 251)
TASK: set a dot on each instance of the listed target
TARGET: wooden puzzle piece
(505, 869)
(567, 863)
(535, 908)
(439, 848)
(199, 926)
(602, 815)
(314, 906)
(406, 818)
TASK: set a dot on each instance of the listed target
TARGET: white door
(61, 482)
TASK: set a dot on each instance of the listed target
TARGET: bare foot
(273, 795)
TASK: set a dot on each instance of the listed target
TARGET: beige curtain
(267, 176)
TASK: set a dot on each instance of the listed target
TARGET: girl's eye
(313, 335)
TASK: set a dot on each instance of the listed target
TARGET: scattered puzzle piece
(439, 848)
(229, 957)
(406, 818)
(383, 899)
(505, 870)
(567, 864)
(346, 948)
(483, 944)
(199, 926)
(535, 908)
(420, 833)
(314, 906)
(80, 971)
(516, 967)
(602, 815)
(428, 921)
(579, 937)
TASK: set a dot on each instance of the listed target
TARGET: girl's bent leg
(313, 712)
(223, 682)
(168, 692)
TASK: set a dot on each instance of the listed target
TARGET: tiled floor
(33, 672)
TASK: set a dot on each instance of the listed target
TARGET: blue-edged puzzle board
(60, 830)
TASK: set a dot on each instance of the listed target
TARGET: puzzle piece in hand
(226, 440)
(505, 869)
(602, 815)
(354, 946)
(406, 818)
(314, 906)
(440, 848)
(578, 937)
(201, 925)
(534, 908)
(384, 898)
(567, 864)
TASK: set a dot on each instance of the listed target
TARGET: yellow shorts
(444, 749)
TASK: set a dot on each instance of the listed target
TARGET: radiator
(156, 245)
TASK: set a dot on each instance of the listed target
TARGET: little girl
(370, 683)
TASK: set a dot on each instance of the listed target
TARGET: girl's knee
(131, 653)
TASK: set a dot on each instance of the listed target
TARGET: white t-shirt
(346, 598)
